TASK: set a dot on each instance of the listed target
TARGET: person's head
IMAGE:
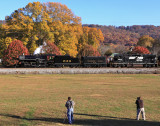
(138, 98)
(69, 98)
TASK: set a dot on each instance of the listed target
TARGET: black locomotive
(48, 60)
(116, 60)
(130, 60)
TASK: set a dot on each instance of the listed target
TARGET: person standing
(141, 109)
(137, 104)
(70, 106)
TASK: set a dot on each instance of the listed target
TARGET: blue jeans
(70, 115)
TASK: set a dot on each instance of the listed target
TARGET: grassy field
(103, 99)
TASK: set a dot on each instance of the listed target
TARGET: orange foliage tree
(51, 48)
(141, 50)
(14, 50)
(88, 50)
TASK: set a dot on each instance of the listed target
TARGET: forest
(121, 38)
(128, 35)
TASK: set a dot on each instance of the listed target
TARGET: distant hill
(126, 35)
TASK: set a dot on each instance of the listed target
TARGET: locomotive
(130, 60)
(115, 60)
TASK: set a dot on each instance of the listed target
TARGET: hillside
(122, 35)
(127, 35)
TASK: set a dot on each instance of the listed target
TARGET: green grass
(102, 99)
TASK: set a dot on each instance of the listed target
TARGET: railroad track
(79, 70)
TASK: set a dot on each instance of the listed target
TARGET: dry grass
(100, 99)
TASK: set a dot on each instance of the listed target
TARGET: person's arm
(73, 103)
(136, 102)
(66, 105)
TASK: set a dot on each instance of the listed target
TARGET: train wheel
(122, 66)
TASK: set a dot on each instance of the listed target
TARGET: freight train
(115, 60)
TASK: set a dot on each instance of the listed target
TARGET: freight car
(92, 61)
(66, 61)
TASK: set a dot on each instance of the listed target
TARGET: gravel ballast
(79, 70)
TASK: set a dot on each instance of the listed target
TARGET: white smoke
(40, 50)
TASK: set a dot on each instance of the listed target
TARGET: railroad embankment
(79, 70)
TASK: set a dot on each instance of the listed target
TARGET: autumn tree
(2, 47)
(55, 22)
(4, 43)
(14, 50)
(120, 49)
(89, 51)
(140, 50)
(145, 41)
(156, 47)
(108, 52)
(51, 48)
(91, 38)
(51, 21)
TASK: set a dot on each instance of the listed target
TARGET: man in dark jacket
(137, 104)
(141, 109)
(70, 106)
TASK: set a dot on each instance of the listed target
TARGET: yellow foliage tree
(90, 36)
(8, 40)
(48, 22)
(55, 22)
(145, 41)
(2, 47)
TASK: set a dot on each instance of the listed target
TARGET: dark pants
(70, 115)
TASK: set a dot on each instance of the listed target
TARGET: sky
(102, 12)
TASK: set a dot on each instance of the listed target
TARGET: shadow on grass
(111, 117)
(105, 121)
